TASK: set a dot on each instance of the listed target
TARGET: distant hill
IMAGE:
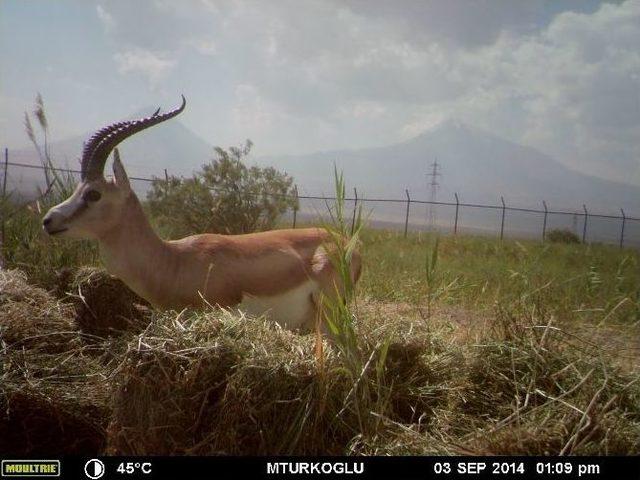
(478, 165)
(169, 145)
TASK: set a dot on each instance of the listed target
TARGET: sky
(298, 76)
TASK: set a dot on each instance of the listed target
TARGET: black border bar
(384, 468)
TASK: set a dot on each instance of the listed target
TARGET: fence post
(4, 196)
(6, 170)
(544, 222)
(166, 182)
(455, 222)
(503, 212)
(296, 206)
(406, 217)
(624, 219)
(355, 207)
(584, 228)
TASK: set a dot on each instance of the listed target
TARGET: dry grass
(535, 387)
(52, 404)
(104, 305)
(53, 390)
(215, 382)
(30, 317)
(510, 381)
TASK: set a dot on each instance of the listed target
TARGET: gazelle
(280, 273)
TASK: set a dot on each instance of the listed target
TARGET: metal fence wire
(410, 214)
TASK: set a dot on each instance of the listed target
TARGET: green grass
(573, 281)
(455, 344)
(460, 344)
(584, 282)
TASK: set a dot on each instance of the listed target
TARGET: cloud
(572, 90)
(570, 87)
(106, 18)
(151, 65)
(566, 82)
(563, 77)
(204, 46)
(251, 111)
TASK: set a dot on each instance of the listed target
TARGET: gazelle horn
(99, 146)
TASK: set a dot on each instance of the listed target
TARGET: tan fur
(281, 273)
(222, 268)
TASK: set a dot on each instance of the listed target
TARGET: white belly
(292, 309)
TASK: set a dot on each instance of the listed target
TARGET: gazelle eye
(91, 196)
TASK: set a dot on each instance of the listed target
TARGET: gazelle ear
(119, 174)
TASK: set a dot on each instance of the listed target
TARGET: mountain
(169, 145)
(479, 166)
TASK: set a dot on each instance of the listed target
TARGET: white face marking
(60, 218)
(70, 206)
(92, 208)
(292, 309)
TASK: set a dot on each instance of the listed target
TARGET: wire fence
(410, 214)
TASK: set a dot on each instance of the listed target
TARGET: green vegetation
(562, 236)
(226, 196)
(582, 282)
(447, 345)
(25, 246)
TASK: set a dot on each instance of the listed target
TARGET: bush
(226, 196)
(562, 236)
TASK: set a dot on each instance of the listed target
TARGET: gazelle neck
(133, 251)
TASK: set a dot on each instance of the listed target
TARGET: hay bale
(218, 383)
(422, 364)
(53, 397)
(54, 404)
(31, 318)
(105, 306)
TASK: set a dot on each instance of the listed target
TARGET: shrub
(562, 236)
(226, 196)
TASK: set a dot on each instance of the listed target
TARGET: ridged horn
(97, 149)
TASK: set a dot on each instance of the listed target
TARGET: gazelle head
(97, 205)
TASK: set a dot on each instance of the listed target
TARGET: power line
(433, 186)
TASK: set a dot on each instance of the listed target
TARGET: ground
(494, 347)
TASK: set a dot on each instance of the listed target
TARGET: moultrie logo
(30, 468)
